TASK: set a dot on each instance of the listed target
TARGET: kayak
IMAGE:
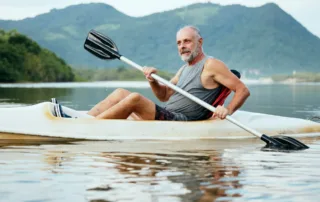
(39, 121)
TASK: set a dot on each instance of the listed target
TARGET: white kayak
(39, 120)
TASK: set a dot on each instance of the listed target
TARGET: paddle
(104, 48)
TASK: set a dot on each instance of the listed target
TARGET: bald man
(202, 76)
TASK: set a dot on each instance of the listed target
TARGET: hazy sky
(306, 12)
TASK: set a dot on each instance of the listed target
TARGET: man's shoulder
(214, 63)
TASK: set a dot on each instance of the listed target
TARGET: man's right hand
(148, 71)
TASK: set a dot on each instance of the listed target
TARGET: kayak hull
(38, 120)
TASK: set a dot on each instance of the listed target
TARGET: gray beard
(192, 56)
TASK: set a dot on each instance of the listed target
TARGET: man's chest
(208, 81)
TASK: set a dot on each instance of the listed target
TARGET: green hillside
(265, 39)
(22, 59)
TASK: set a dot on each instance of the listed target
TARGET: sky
(307, 12)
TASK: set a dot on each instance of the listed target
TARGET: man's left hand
(221, 112)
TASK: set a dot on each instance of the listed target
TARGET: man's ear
(201, 41)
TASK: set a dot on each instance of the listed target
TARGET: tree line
(120, 73)
(299, 77)
(23, 60)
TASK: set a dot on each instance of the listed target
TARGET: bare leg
(115, 97)
(133, 103)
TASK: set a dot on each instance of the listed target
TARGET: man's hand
(148, 71)
(221, 112)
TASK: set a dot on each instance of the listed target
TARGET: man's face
(188, 45)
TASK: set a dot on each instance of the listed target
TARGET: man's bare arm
(162, 92)
(224, 76)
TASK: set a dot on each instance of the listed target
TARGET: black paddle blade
(295, 144)
(282, 143)
(101, 46)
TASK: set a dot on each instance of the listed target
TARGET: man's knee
(119, 93)
(122, 91)
(134, 98)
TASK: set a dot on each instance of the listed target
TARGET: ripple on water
(158, 171)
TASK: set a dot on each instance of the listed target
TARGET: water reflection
(178, 176)
(224, 178)
(203, 178)
(157, 171)
(31, 95)
(141, 176)
(7, 140)
(278, 176)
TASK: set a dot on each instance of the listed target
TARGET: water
(197, 170)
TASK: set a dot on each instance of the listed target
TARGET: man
(202, 76)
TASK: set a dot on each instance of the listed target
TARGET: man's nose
(182, 46)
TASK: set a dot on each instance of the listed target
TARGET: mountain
(263, 40)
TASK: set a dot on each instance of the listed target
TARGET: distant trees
(23, 60)
(298, 77)
(120, 73)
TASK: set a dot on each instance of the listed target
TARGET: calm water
(220, 170)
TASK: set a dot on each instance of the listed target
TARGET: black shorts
(165, 115)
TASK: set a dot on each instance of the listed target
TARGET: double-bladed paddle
(104, 48)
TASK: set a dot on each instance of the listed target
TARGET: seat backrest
(224, 93)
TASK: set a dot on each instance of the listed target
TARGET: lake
(132, 170)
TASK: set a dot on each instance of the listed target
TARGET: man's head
(189, 42)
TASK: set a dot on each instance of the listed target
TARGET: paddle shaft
(188, 95)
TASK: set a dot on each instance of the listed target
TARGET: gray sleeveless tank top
(190, 81)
